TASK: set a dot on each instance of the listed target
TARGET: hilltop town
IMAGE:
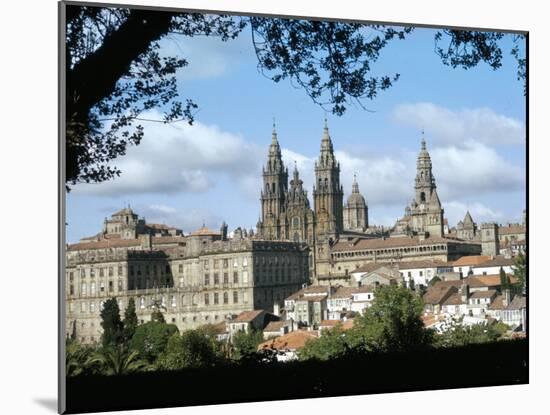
(303, 270)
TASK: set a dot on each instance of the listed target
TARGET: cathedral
(286, 213)
(425, 214)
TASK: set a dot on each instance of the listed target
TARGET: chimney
(276, 310)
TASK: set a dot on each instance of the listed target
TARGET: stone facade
(356, 214)
(424, 215)
(198, 279)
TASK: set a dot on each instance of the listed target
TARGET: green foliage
(111, 323)
(157, 316)
(245, 344)
(434, 281)
(393, 322)
(193, 348)
(331, 344)
(520, 272)
(78, 359)
(130, 320)
(504, 280)
(150, 339)
(460, 335)
(118, 360)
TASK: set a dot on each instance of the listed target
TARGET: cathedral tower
(328, 194)
(356, 210)
(426, 210)
(299, 216)
(275, 186)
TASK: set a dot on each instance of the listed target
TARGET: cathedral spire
(355, 186)
(423, 142)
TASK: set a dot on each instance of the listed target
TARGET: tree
(245, 344)
(130, 320)
(504, 280)
(111, 323)
(193, 348)
(392, 323)
(459, 335)
(411, 284)
(330, 345)
(118, 360)
(77, 359)
(150, 339)
(520, 272)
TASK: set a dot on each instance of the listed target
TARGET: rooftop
(469, 260)
(247, 316)
(291, 341)
(396, 242)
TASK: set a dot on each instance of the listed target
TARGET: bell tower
(328, 193)
(275, 187)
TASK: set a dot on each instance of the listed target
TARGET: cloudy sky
(474, 123)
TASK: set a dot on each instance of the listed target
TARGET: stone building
(356, 214)
(198, 279)
(467, 229)
(424, 215)
(348, 255)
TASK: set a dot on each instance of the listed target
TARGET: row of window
(216, 278)
(224, 262)
(102, 288)
(216, 298)
(101, 272)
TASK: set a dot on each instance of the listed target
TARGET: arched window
(225, 298)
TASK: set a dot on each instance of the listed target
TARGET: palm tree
(118, 360)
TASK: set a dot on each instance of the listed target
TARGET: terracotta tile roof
(363, 289)
(441, 291)
(483, 294)
(294, 340)
(342, 292)
(423, 264)
(274, 326)
(496, 304)
(104, 243)
(312, 298)
(204, 231)
(511, 229)
(396, 242)
(471, 260)
(158, 240)
(371, 266)
(517, 303)
(453, 299)
(498, 261)
(348, 324)
(487, 280)
(247, 316)
(329, 323)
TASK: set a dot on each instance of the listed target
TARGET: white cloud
(474, 169)
(187, 220)
(455, 212)
(446, 126)
(181, 158)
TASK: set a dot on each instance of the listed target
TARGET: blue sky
(474, 122)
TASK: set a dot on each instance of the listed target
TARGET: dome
(356, 199)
